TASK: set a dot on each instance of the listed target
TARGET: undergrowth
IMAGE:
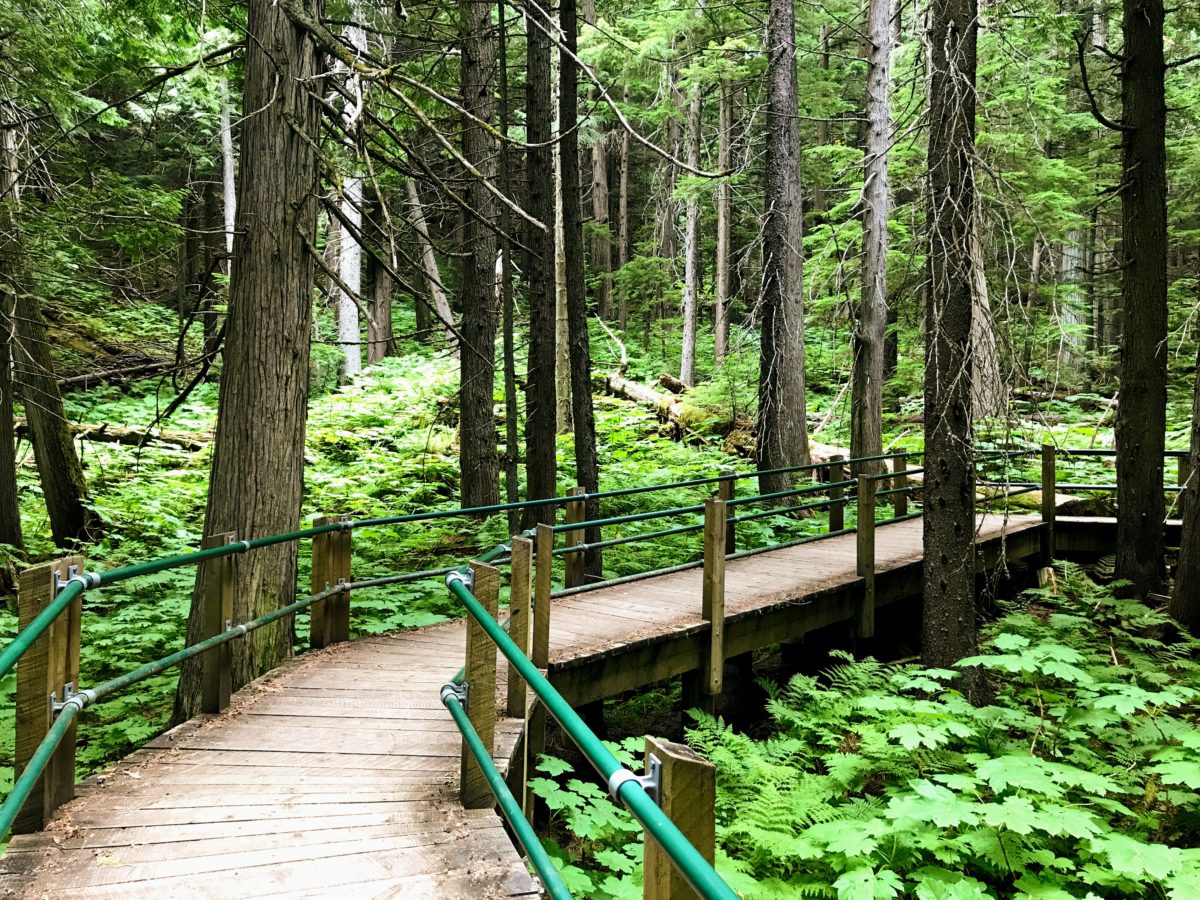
(1078, 781)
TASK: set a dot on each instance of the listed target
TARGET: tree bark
(587, 464)
(668, 208)
(1185, 598)
(477, 423)
(623, 223)
(819, 200)
(257, 478)
(989, 393)
(512, 448)
(949, 630)
(691, 241)
(722, 298)
(562, 348)
(350, 257)
(866, 396)
(1141, 417)
(429, 263)
(541, 473)
(381, 337)
(228, 177)
(10, 262)
(782, 420)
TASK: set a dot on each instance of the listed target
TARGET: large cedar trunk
(587, 465)
(1141, 416)
(541, 395)
(257, 477)
(477, 422)
(782, 421)
(866, 397)
(949, 630)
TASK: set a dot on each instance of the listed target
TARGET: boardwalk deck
(336, 775)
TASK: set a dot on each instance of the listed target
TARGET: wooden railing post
(712, 607)
(866, 554)
(687, 794)
(726, 491)
(480, 678)
(520, 624)
(1184, 471)
(47, 672)
(535, 713)
(837, 509)
(216, 670)
(900, 498)
(331, 562)
(576, 512)
(1049, 501)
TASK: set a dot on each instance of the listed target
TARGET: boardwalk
(336, 775)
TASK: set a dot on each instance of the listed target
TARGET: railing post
(1049, 501)
(520, 625)
(480, 678)
(899, 499)
(331, 562)
(866, 554)
(837, 509)
(727, 490)
(44, 674)
(712, 607)
(687, 794)
(1184, 471)
(535, 713)
(216, 665)
(576, 512)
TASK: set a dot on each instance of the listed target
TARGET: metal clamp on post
(651, 782)
(56, 706)
(86, 579)
(457, 691)
(467, 579)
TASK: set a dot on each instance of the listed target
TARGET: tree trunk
(1185, 598)
(541, 476)
(381, 338)
(989, 395)
(819, 201)
(601, 255)
(512, 448)
(866, 397)
(1072, 315)
(477, 423)
(623, 223)
(587, 465)
(691, 242)
(562, 348)
(228, 178)
(63, 487)
(10, 261)
(724, 225)
(949, 631)
(429, 263)
(256, 483)
(668, 208)
(350, 257)
(213, 243)
(1141, 417)
(782, 419)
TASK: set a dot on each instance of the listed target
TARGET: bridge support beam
(47, 673)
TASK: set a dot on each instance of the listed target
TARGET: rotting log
(130, 437)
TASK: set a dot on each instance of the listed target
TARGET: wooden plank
(42, 671)
(481, 688)
(520, 618)
(712, 608)
(687, 796)
(575, 574)
(217, 615)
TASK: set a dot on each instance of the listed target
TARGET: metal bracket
(60, 583)
(55, 706)
(457, 691)
(651, 782)
(466, 578)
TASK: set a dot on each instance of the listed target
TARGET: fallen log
(129, 437)
(91, 379)
(672, 384)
